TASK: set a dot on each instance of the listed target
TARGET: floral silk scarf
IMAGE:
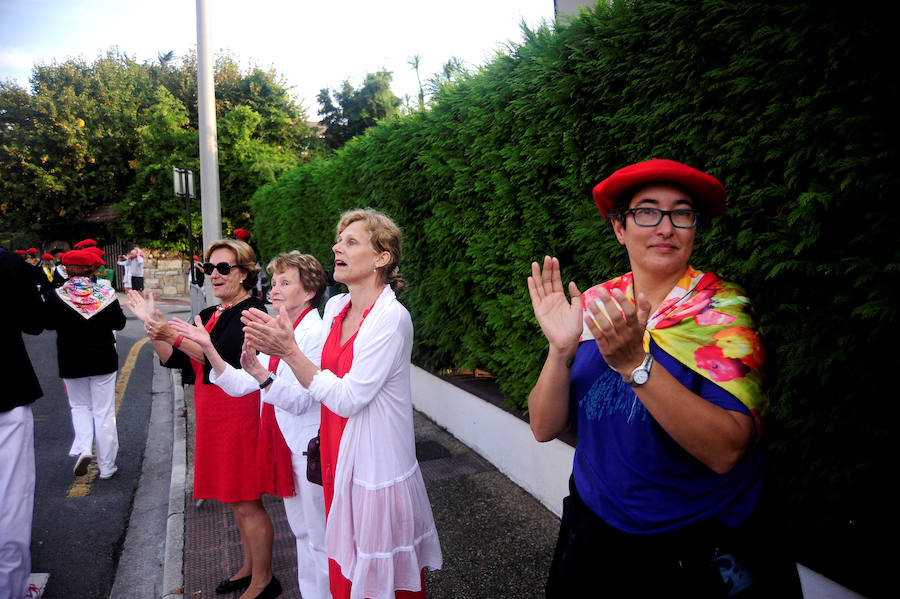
(85, 297)
(707, 324)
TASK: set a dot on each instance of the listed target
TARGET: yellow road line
(82, 485)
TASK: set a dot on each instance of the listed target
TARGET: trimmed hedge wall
(788, 103)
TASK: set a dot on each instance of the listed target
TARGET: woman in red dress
(226, 428)
(379, 532)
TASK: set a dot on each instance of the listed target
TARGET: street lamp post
(183, 181)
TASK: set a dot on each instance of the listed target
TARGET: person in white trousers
(21, 388)
(84, 315)
(298, 283)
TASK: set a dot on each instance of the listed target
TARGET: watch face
(640, 376)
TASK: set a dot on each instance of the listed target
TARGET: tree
(107, 133)
(356, 109)
(453, 70)
(151, 210)
(414, 62)
(65, 147)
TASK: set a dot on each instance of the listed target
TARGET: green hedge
(788, 103)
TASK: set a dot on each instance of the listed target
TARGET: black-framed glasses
(650, 217)
(223, 267)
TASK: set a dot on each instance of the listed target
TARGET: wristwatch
(641, 374)
(268, 381)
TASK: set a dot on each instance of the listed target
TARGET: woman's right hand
(560, 319)
(143, 309)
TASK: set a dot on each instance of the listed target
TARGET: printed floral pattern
(707, 324)
(85, 297)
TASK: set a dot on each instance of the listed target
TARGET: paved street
(79, 525)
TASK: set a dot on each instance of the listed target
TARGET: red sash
(276, 475)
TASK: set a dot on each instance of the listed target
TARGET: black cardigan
(22, 309)
(85, 347)
(227, 337)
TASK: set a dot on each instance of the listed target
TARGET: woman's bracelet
(178, 341)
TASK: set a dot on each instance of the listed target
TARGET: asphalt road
(79, 526)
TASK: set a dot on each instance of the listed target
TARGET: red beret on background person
(79, 258)
(96, 252)
(21, 252)
(48, 257)
(242, 234)
(32, 251)
(85, 243)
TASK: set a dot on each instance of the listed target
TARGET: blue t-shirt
(631, 473)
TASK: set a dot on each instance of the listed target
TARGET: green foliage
(785, 102)
(356, 109)
(107, 133)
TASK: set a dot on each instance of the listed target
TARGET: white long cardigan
(380, 529)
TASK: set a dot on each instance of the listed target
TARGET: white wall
(542, 469)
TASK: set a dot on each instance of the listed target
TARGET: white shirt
(295, 419)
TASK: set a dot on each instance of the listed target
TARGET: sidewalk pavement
(496, 538)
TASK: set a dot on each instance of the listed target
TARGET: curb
(173, 569)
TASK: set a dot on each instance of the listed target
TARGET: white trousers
(16, 500)
(306, 516)
(93, 403)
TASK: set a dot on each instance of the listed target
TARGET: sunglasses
(223, 267)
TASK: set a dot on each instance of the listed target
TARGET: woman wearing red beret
(84, 315)
(659, 372)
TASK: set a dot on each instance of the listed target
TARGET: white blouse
(298, 421)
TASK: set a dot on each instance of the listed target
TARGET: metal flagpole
(210, 206)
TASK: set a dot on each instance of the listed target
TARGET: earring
(374, 268)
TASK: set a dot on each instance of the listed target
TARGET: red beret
(47, 257)
(32, 250)
(242, 234)
(80, 258)
(95, 250)
(21, 252)
(85, 243)
(706, 190)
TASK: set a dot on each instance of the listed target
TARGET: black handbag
(313, 461)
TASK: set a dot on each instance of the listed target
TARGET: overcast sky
(312, 44)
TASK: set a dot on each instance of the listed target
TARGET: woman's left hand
(273, 336)
(195, 332)
(620, 332)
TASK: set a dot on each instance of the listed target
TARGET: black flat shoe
(272, 590)
(229, 586)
